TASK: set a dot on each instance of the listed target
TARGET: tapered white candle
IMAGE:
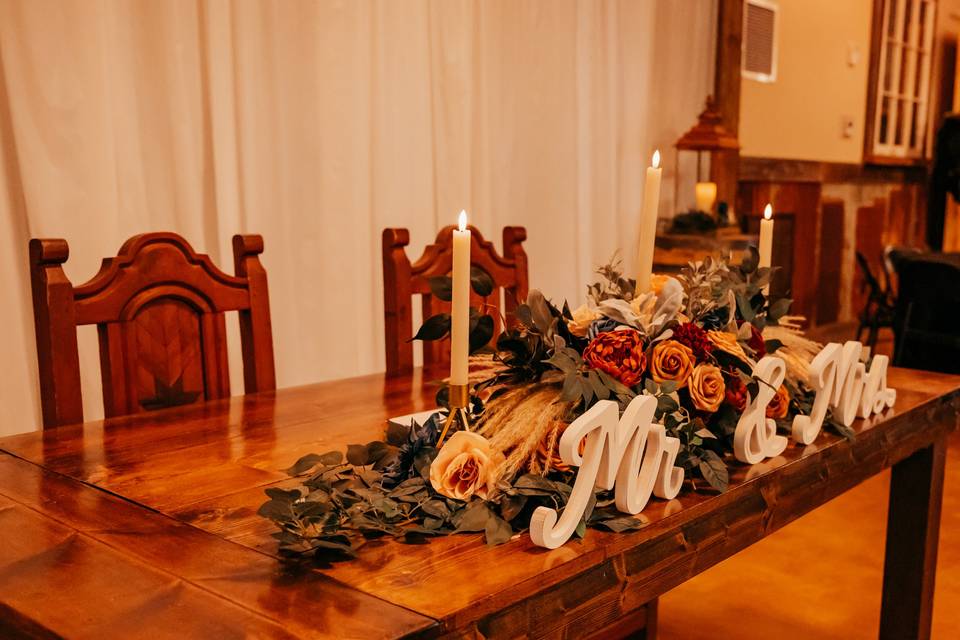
(460, 305)
(766, 237)
(648, 224)
(706, 193)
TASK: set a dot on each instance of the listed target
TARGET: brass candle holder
(459, 402)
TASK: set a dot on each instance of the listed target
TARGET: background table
(155, 515)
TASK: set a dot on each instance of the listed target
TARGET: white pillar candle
(706, 193)
(648, 224)
(766, 236)
(460, 305)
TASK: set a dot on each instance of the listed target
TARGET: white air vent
(759, 53)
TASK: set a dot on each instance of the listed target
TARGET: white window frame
(754, 75)
(902, 83)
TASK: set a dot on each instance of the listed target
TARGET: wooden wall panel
(871, 224)
(802, 199)
(831, 260)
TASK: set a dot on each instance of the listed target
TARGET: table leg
(913, 529)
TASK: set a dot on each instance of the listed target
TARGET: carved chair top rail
(150, 266)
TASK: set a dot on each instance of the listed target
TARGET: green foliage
(613, 284)
(340, 506)
(482, 323)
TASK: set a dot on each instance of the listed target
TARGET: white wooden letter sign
(636, 457)
(756, 436)
(630, 454)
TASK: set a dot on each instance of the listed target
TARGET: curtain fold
(319, 123)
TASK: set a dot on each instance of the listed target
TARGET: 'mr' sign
(636, 458)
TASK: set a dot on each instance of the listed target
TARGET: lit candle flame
(768, 211)
(656, 159)
(462, 221)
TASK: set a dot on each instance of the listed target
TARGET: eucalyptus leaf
(474, 517)
(434, 328)
(482, 333)
(622, 523)
(357, 454)
(511, 506)
(714, 470)
(441, 287)
(480, 281)
(779, 308)
(497, 530)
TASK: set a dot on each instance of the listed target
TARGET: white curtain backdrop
(319, 123)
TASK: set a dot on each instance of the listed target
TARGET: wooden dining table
(147, 526)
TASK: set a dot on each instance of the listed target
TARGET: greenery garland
(704, 329)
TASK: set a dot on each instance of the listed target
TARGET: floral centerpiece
(691, 342)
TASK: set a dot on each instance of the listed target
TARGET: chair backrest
(159, 309)
(402, 280)
(927, 309)
(875, 292)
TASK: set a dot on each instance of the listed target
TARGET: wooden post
(913, 529)
(256, 332)
(724, 165)
(54, 317)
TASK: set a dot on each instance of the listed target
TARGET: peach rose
(671, 361)
(657, 281)
(583, 317)
(726, 341)
(779, 405)
(466, 466)
(707, 389)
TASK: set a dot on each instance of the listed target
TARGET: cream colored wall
(800, 114)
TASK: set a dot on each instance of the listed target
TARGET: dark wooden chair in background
(928, 305)
(877, 310)
(159, 310)
(402, 280)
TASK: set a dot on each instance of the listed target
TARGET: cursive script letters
(756, 436)
(841, 381)
(876, 396)
(629, 454)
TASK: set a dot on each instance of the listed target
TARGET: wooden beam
(724, 164)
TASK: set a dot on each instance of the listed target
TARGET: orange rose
(671, 361)
(466, 466)
(551, 457)
(618, 353)
(707, 389)
(777, 408)
(726, 341)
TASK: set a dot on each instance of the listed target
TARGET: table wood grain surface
(149, 522)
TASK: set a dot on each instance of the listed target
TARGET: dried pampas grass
(517, 421)
(797, 351)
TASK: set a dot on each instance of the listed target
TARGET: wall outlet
(846, 126)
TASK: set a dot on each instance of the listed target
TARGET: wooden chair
(402, 280)
(159, 310)
(878, 311)
(928, 303)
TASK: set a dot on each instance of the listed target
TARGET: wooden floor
(818, 577)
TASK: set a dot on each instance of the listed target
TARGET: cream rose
(671, 361)
(583, 317)
(466, 466)
(707, 389)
